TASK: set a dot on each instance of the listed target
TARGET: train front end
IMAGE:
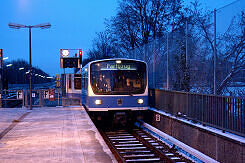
(117, 87)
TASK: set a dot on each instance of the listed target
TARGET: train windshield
(118, 77)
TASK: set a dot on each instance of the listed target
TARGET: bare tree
(230, 46)
(124, 28)
(102, 47)
(234, 51)
(139, 21)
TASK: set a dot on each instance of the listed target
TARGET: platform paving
(64, 134)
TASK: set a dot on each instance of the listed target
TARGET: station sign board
(71, 62)
(19, 95)
(46, 94)
(70, 59)
(51, 94)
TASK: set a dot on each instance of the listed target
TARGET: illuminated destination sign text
(118, 67)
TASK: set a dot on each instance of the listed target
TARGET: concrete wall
(219, 147)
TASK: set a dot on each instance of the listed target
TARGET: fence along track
(222, 112)
(139, 146)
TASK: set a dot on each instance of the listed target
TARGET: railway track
(138, 146)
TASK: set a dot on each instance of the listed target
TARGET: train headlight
(118, 61)
(98, 102)
(140, 101)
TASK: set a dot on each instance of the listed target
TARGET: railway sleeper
(126, 142)
(174, 157)
(123, 139)
(115, 137)
(133, 152)
(138, 146)
(128, 145)
(144, 160)
(131, 148)
(139, 155)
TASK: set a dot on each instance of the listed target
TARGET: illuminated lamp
(140, 101)
(98, 102)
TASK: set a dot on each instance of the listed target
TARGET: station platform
(57, 134)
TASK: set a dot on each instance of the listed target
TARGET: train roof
(115, 59)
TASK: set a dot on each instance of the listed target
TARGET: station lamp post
(18, 26)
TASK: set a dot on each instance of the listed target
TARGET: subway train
(114, 89)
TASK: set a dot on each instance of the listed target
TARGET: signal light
(80, 52)
(80, 56)
(1, 53)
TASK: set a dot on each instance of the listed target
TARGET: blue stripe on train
(111, 102)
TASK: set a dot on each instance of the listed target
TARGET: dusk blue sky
(74, 25)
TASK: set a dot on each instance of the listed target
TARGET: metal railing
(223, 112)
(10, 98)
(40, 98)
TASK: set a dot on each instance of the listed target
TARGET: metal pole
(81, 65)
(186, 45)
(17, 26)
(63, 93)
(30, 67)
(81, 103)
(154, 64)
(167, 66)
(215, 55)
(58, 90)
(2, 78)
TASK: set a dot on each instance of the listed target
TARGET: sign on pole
(57, 80)
(19, 95)
(46, 94)
(69, 58)
(51, 95)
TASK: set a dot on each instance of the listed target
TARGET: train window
(77, 81)
(69, 80)
(85, 79)
(126, 77)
